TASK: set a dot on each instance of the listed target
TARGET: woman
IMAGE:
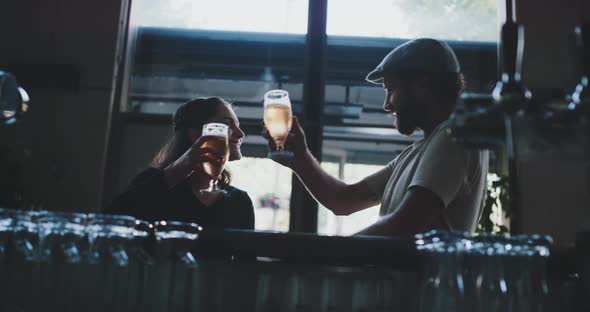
(170, 188)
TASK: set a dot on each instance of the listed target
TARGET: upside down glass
(141, 266)
(61, 235)
(277, 119)
(23, 275)
(215, 137)
(109, 237)
(174, 273)
(5, 236)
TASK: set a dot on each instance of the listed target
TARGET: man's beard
(406, 121)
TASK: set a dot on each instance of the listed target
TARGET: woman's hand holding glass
(214, 139)
(193, 160)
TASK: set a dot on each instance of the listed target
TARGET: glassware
(108, 240)
(484, 272)
(450, 295)
(429, 275)
(270, 283)
(371, 290)
(24, 260)
(25, 234)
(60, 234)
(5, 230)
(330, 294)
(491, 286)
(530, 282)
(470, 269)
(5, 237)
(215, 137)
(176, 265)
(278, 118)
(60, 237)
(298, 288)
(141, 263)
(387, 294)
(442, 287)
(107, 236)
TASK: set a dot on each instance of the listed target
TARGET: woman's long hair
(192, 114)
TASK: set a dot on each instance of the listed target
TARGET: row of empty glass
(61, 261)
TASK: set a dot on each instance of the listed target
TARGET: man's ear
(422, 88)
(422, 84)
(194, 134)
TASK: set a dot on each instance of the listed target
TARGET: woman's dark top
(149, 198)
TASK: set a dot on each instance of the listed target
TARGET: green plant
(496, 211)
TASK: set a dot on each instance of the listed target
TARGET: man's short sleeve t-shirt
(457, 175)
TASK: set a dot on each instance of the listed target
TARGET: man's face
(401, 102)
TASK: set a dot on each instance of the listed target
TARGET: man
(434, 183)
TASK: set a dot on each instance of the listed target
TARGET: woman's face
(235, 135)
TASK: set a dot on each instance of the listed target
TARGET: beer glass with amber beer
(278, 119)
(214, 136)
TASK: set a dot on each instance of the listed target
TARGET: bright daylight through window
(462, 20)
(273, 16)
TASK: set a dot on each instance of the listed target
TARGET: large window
(330, 224)
(269, 187)
(465, 20)
(182, 49)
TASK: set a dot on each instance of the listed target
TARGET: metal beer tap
(486, 121)
(510, 92)
(480, 119)
(580, 102)
(514, 99)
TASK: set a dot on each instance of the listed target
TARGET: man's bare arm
(341, 198)
(416, 214)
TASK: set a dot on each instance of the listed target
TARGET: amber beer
(219, 145)
(278, 119)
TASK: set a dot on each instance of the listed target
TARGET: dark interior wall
(71, 47)
(549, 42)
(555, 184)
(140, 142)
(64, 53)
